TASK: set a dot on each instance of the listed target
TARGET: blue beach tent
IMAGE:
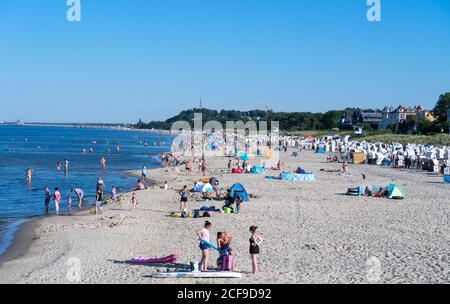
(238, 188)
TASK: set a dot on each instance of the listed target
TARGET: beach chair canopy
(238, 188)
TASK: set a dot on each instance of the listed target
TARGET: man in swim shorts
(48, 198)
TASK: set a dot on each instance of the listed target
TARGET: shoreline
(24, 236)
(22, 240)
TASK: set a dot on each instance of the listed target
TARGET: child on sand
(255, 241)
(203, 235)
(134, 202)
(99, 202)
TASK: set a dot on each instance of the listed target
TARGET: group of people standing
(57, 198)
(224, 247)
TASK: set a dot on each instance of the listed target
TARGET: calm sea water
(40, 148)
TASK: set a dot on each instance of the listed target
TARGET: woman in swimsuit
(255, 241)
(184, 193)
(203, 235)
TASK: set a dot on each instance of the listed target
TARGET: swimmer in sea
(29, 174)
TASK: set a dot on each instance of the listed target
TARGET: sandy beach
(312, 232)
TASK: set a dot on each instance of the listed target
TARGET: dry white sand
(313, 233)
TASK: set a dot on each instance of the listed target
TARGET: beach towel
(287, 176)
(146, 260)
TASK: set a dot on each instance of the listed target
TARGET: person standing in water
(66, 165)
(103, 162)
(57, 199)
(58, 166)
(69, 205)
(80, 195)
(29, 174)
(113, 193)
(255, 241)
(100, 185)
(48, 198)
(203, 235)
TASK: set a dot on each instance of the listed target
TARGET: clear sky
(149, 59)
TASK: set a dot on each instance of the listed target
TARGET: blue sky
(149, 59)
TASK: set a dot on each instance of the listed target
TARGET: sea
(40, 148)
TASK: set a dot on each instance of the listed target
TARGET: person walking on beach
(57, 199)
(80, 195)
(48, 198)
(203, 235)
(188, 167)
(113, 194)
(255, 242)
(203, 165)
(345, 167)
(168, 163)
(29, 174)
(134, 202)
(184, 193)
(144, 173)
(230, 164)
(99, 202)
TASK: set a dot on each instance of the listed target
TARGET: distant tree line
(293, 121)
(304, 121)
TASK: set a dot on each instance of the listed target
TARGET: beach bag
(196, 213)
(227, 263)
